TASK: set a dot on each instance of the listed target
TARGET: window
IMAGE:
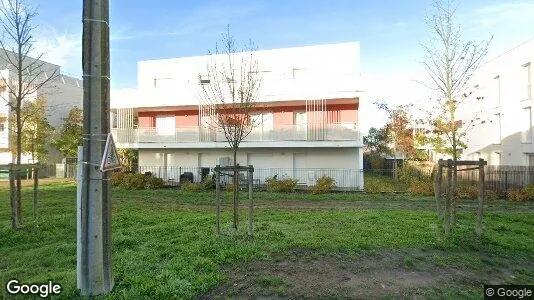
(497, 90)
(496, 159)
(203, 79)
(526, 131)
(527, 75)
(2, 127)
(497, 129)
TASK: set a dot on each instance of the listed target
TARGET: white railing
(330, 132)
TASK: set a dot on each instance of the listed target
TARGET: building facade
(502, 132)
(307, 110)
(62, 93)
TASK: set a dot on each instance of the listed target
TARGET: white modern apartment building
(308, 108)
(62, 93)
(505, 82)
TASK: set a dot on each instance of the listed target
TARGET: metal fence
(345, 179)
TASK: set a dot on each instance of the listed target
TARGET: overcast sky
(389, 32)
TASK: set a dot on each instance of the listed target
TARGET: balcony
(132, 137)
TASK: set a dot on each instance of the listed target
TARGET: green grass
(164, 245)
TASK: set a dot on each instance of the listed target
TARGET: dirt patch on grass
(372, 274)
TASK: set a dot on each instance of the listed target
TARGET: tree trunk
(235, 201)
(18, 183)
(454, 179)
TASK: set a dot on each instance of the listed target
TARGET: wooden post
(236, 196)
(14, 211)
(480, 197)
(35, 176)
(250, 203)
(438, 180)
(218, 199)
(448, 199)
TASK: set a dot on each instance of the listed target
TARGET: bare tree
(229, 91)
(450, 63)
(23, 77)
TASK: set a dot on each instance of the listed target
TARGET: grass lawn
(337, 245)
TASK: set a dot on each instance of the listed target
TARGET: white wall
(312, 72)
(268, 162)
(509, 102)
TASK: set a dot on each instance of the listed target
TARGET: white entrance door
(299, 167)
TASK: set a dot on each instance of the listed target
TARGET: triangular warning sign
(110, 159)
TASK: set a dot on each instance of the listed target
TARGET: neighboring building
(62, 93)
(504, 136)
(308, 107)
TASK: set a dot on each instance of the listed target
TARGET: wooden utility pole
(94, 274)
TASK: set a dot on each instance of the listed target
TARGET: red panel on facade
(146, 119)
(186, 118)
(283, 115)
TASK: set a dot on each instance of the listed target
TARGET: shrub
(517, 195)
(409, 175)
(155, 183)
(208, 183)
(467, 192)
(529, 191)
(191, 186)
(379, 184)
(521, 194)
(324, 184)
(136, 181)
(491, 195)
(284, 185)
(421, 188)
(117, 178)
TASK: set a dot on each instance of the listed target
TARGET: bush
(191, 186)
(529, 191)
(378, 184)
(208, 183)
(491, 195)
(136, 181)
(284, 185)
(155, 183)
(117, 178)
(324, 184)
(467, 192)
(409, 175)
(523, 194)
(517, 195)
(421, 188)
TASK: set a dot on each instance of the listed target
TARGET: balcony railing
(330, 132)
